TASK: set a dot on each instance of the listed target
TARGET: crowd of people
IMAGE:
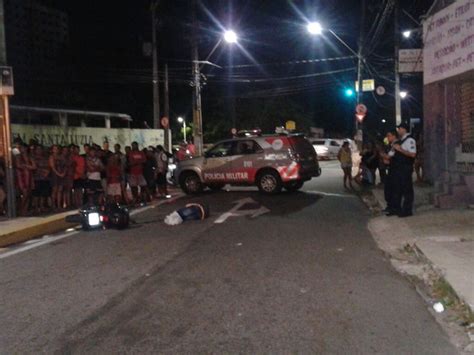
(395, 159)
(50, 179)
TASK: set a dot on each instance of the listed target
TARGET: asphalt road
(305, 277)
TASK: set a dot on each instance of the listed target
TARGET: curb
(401, 235)
(52, 224)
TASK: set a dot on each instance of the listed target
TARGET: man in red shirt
(136, 159)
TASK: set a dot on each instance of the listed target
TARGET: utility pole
(360, 68)
(167, 110)
(398, 103)
(197, 109)
(156, 80)
(360, 64)
(5, 127)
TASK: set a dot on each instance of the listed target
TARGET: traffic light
(349, 92)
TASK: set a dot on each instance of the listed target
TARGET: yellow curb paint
(22, 235)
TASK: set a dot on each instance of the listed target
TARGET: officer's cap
(404, 125)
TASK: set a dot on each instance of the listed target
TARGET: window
(221, 150)
(247, 147)
(334, 144)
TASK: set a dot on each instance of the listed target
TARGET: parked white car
(327, 148)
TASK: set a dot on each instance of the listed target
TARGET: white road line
(34, 243)
(330, 194)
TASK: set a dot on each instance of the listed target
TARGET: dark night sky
(107, 39)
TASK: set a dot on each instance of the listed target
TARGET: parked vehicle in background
(270, 162)
(326, 148)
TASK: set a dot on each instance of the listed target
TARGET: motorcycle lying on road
(110, 215)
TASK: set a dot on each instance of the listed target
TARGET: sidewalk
(21, 229)
(445, 237)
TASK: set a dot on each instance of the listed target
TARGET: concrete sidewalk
(445, 237)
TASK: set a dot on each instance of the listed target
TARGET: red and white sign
(361, 109)
(380, 90)
(449, 42)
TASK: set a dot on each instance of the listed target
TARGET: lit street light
(403, 94)
(406, 34)
(384, 120)
(230, 36)
(183, 121)
(314, 28)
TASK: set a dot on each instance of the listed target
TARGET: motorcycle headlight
(93, 219)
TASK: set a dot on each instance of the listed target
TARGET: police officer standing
(403, 159)
(390, 161)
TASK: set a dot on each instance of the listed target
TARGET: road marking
(34, 243)
(237, 212)
(330, 194)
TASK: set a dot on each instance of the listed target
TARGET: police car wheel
(269, 182)
(190, 183)
(293, 186)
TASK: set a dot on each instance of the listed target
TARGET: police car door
(218, 162)
(246, 160)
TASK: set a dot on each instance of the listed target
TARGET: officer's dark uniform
(403, 195)
(389, 183)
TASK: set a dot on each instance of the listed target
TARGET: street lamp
(406, 34)
(314, 28)
(183, 121)
(403, 94)
(230, 36)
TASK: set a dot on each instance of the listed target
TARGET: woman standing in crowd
(24, 173)
(345, 158)
(69, 178)
(58, 173)
(42, 190)
(162, 168)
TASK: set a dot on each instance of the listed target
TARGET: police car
(270, 162)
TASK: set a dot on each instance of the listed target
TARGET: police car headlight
(93, 219)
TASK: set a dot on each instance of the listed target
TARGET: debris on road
(438, 307)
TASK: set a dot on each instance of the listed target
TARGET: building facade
(449, 102)
(37, 40)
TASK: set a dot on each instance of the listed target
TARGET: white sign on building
(449, 42)
(49, 135)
